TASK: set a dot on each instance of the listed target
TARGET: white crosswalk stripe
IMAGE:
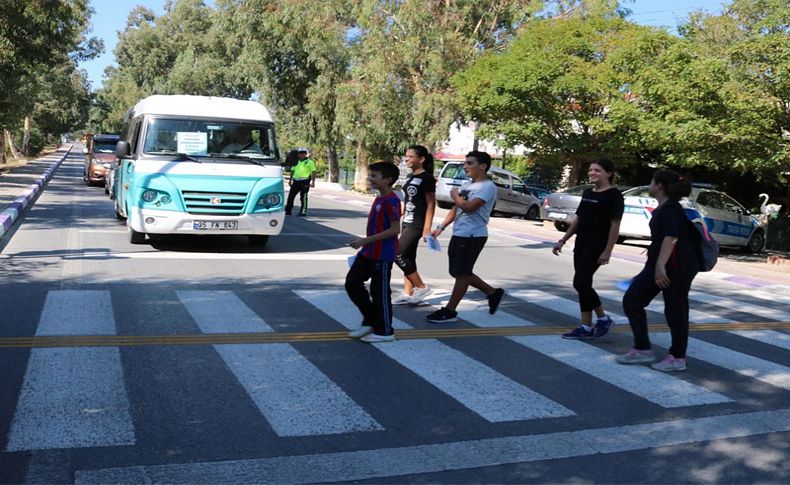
(770, 337)
(737, 305)
(557, 303)
(744, 364)
(479, 311)
(657, 305)
(63, 402)
(294, 396)
(479, 388)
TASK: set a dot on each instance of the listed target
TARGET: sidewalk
(21, 185)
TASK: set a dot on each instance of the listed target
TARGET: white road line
(298, 256)
(558, 304)
(461, 455)
(746, 365)
(294, 396)
(72, 398)
(77, 312)
(725, 302)
(662, 389)
(477, 310)
(66, 402)
(774, 296)
(221, 312)
(478, 387)
(770, 337)
(695, 316)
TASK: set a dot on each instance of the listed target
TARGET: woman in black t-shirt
(419, 204)
(597, 226)
(672, 264)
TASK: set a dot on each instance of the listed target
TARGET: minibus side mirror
(122, 149)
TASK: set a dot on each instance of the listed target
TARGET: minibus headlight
(270, 200)
(149, 196)
(273, 199)
(165, 199)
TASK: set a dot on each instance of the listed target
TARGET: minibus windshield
(211, 139)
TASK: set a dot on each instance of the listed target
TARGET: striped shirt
(384, 213)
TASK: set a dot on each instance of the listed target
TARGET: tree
(404, 54)
(183, 51)
(295, 53)
(746, 50)
(563, 88)
(35, 35)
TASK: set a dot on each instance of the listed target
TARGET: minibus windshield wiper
(180, 155)
(239, 156)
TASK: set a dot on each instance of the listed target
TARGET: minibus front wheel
(259, 240)
(136, 237)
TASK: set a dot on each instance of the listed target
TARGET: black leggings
(407, 249)
(643, 290)
(585, 264)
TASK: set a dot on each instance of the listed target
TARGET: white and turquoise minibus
(199, 165)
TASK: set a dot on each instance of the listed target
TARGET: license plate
(215, 225)
(558, 215)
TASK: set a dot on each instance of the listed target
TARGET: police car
(726, 219)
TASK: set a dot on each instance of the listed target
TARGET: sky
(110, 17)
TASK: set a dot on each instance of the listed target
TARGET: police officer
(302, 178)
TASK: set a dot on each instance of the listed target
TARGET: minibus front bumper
(152, 221)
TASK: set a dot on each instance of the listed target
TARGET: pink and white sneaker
(670, 364)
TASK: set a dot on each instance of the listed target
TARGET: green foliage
(184, 51)
(40, 43)
(560, 87)
(592, 84)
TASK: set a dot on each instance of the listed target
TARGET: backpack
(705, 245)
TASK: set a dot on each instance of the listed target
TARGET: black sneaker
(578, 333)
(602, 326)
(494, 299)
(301, 214)
(443, 315)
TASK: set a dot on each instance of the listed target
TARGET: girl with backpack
(672, 264)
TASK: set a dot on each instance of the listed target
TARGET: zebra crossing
(75, 397)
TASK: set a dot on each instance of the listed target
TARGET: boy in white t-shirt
(473, 204)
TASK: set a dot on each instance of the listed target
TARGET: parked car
(99, 157)
(560, 207)
(513, 196)
(726, 219)
(539, 192)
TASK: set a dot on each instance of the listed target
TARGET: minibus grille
(214, 203)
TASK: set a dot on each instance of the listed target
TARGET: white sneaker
(360, 332)
(402, 299)
(420, 294)
(372, 338)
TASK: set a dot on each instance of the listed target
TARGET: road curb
(12, 212)
(778, 261)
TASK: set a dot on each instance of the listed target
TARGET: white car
(513, 195)
(727, 220)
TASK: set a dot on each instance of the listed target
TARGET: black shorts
(463, 253)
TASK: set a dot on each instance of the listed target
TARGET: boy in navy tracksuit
(374, 260)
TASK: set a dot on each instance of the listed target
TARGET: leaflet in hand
(433, 243)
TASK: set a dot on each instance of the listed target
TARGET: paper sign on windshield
(192, 143)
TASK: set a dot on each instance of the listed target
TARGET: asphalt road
(204, 359)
